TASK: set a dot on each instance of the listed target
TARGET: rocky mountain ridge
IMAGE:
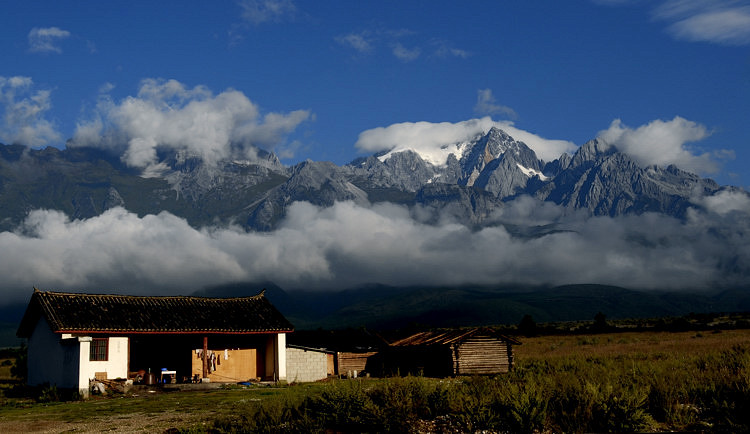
(490, 170)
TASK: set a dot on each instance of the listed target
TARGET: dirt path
(130, 423)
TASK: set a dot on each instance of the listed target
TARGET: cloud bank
(167, 114)
(429, 138)
(23, 113)
(347, 245)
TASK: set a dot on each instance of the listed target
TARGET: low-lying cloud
(167, 114)
(347, 245)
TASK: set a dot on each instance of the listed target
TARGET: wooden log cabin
(450, 353)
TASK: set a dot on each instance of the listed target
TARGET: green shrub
(523, 408)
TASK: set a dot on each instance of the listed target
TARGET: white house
(74, 338)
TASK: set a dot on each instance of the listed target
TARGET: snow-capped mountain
(467, 180)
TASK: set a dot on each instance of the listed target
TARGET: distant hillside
(381, 307)
(384, 307)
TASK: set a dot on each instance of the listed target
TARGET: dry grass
(647, 344)
(5, 365)
(546, 365)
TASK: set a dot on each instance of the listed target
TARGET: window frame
(99, 350)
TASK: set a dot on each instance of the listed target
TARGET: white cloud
(487, 105)
(262, 11)
(429, 138)
(662, 143)
(369, 40)
(444, 49)
(725, 202)
(405, 54)
(46, 40)
(347, 245)
(23, 112)
(359, 41)
(729, 26)
(725, 22)
(166, 113)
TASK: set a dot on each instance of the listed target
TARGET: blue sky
(318, 74)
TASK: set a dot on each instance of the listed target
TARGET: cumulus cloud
(166, 113)
(663, 143)
(23, 111)
(434, 139)
(347, 245)
(47, 39)
(487, 105)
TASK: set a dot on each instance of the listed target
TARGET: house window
(99, 349)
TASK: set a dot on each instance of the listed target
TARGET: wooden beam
(205, 356)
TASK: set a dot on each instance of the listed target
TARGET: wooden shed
(451, 353)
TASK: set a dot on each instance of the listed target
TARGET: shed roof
(449, 337)
(127, 314)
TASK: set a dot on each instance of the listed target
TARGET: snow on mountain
(437, 156)
(531, 172)
(435, 141)
(488, 144)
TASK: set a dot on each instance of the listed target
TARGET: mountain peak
(592, 150)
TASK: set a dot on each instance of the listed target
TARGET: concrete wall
(305, 365)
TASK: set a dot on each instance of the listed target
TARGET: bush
(20, 369)
(626, 393)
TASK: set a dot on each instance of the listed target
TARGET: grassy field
(619, 382)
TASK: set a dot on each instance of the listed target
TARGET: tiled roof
(99, 313)
(449, 337)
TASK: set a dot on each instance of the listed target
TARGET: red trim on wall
(126, 333)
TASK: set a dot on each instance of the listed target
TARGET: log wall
(482, 355)
(352, 361)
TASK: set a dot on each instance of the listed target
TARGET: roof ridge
(98, 313)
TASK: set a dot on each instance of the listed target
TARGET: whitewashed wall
(276, 356)
(52, 359)
(116, 365)
(63, 360)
